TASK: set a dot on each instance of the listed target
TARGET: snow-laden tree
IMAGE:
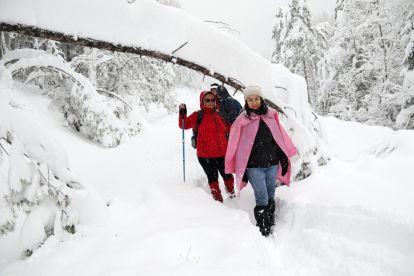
(298, 44)
(303, 126)
(277, 33)
(39, 195)
(82, 107)
(409, 50)
(361, 71)
(11, 41)
(141, 80)
(405, 117)
(185, 77)
(88, 62)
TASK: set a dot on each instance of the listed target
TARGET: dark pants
(212, 166)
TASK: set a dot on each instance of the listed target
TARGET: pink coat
(242, 135)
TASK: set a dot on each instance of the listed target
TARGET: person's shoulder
(271, 110)
(237, 103)
(233, 100)
(196, 113)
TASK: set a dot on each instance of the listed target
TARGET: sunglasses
(209, 100)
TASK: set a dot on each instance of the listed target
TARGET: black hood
(222, 92)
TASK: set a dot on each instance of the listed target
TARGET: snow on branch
(88, 42)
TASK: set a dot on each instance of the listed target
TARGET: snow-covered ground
(352, 217)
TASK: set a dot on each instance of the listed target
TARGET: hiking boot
(215, 191)
(229, 183)
(262, 218)
(271, 211)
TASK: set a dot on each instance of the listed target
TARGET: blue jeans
(263, 181)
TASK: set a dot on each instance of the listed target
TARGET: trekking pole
(183, 150)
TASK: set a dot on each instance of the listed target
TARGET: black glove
(183, 110)
(245, 178)
(284, 163)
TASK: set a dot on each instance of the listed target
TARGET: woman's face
(254, 102)
(209, 101)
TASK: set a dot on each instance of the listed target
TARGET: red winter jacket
(212, 131)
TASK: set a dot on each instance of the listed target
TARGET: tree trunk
(88, 42)
(305, 74)
(3, 46)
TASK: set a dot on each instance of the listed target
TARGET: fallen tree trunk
(93, 43)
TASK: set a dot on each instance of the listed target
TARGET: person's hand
(284, 163)
(182, 109)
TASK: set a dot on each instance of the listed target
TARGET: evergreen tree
(37, 186)
(298, 44)
(361, 72)
(405, 118)
(408, 35)
(278, 29)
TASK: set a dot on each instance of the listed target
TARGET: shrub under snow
(84, 109)
(39, 196)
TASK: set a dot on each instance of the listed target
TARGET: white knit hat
(252, 90)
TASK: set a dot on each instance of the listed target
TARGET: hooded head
(213, 86)
(203, 94)
(252, 90)
(222, 92)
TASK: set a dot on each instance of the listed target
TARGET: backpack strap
(200, 115)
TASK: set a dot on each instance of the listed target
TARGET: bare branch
(173, 52)
(112, 94)
(280, 87)
(224, 25)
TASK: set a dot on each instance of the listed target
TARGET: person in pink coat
(259, 147)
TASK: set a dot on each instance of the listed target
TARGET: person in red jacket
(211, 141)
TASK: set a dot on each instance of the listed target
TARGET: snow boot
(262, 219)
(271, 211)
(229, 183)
(215, 191)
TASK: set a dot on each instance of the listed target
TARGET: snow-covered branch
(88, 42)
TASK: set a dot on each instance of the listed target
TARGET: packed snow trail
(352, 217)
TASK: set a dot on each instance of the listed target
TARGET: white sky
(252, 18)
